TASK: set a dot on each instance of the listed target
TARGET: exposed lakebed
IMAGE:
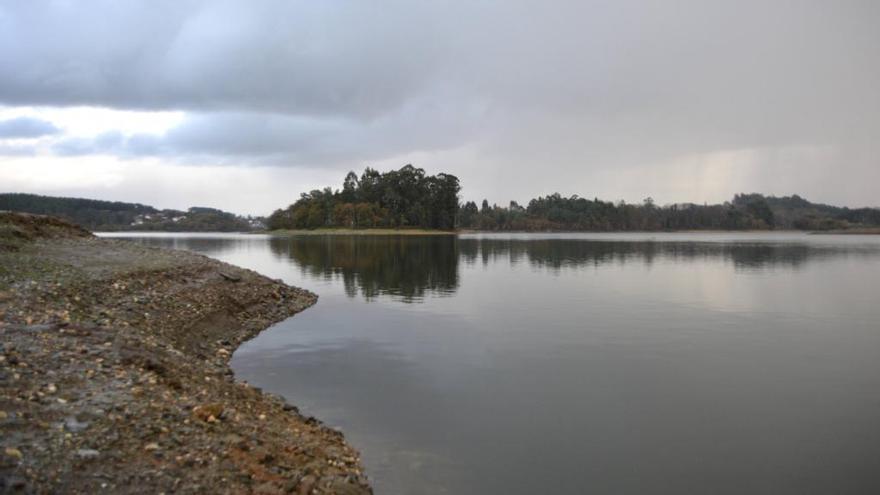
(569, 363)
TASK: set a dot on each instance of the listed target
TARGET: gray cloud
(112, 142)
(279, 139)
(16, 150)
(26, 127)
(570, 95)
(296, 57)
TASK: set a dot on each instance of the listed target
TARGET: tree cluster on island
(405, 198)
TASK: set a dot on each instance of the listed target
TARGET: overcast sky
(243, 105)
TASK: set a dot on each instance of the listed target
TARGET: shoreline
(421, 232)
(340, 231)
(367, 232)
(857, 231)
(114, 373)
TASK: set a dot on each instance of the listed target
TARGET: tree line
(98, 215)
(744, 212)
(410, 198)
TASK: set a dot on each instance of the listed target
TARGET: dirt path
(114, 374)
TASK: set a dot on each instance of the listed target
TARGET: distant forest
(410, 198)
(105, 216)
(745, 212)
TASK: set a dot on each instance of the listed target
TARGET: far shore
(429, 232)
(343, 231)
(416, 231)
(866, 231)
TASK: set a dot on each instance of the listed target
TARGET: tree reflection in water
(409, 267)
(406, 267)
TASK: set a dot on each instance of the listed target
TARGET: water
(631, 363)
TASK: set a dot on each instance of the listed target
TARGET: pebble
(87, 453)
(75, 426)
(13, 452)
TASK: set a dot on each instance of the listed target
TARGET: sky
(245, 105)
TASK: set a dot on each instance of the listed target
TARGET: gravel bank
(114, 374)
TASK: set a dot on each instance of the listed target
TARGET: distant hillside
(795, 212)
(97, 215)
(745, 212)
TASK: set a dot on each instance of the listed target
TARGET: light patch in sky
(243, 190)
(50, 174)
(92, 121)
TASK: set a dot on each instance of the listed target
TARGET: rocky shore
(114, 374)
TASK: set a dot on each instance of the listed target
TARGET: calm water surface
(633, 363)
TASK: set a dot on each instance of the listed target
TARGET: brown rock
(208, 412)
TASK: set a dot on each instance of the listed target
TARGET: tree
(316, 216)
(343, 214)
(759, 209)
(350, 188)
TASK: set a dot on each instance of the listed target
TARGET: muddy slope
(114, 374)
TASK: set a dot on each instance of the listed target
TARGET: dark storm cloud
(26, 127)
(537, 91)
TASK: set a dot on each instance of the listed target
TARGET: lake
(580, 363)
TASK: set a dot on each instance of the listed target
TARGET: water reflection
(409, 267)
(560, 253)
(404, 267)
(207, 244)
